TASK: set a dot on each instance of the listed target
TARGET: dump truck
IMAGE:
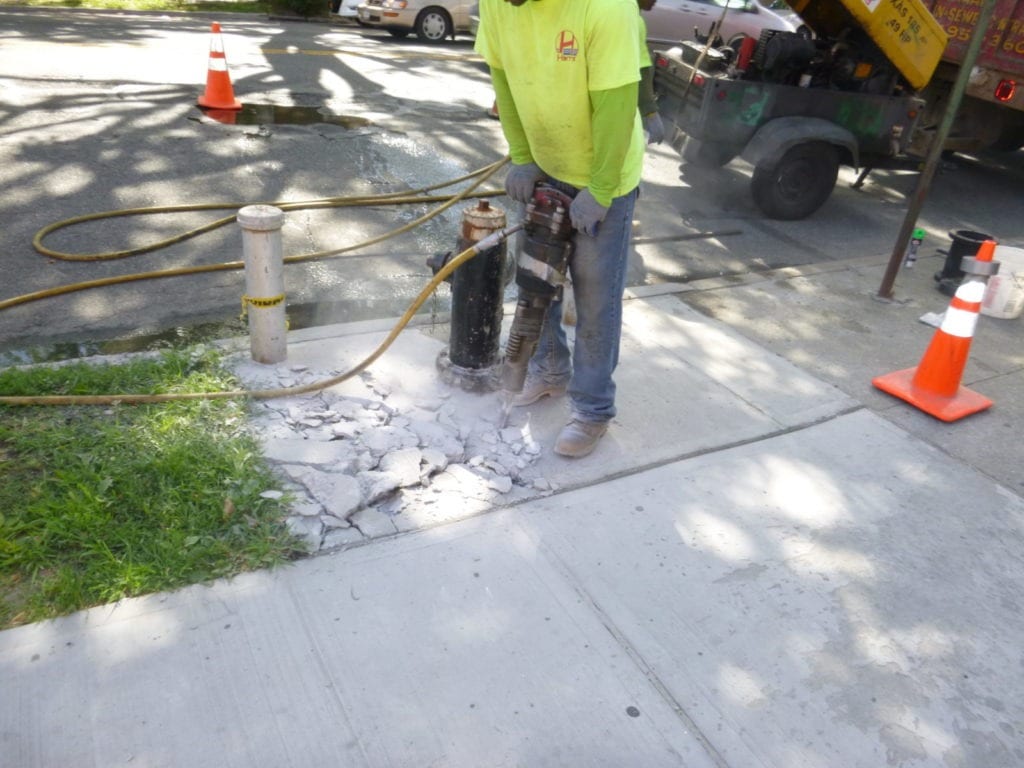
(867, 89)
(991, 114)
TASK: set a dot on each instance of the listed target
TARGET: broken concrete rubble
(363, 463)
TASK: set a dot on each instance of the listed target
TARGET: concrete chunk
(373, 523)
(404, 465)
(313, 453)
(376, 485)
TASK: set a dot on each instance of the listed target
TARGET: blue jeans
(598, 271)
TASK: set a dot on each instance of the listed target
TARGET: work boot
(578, 438)
(534, 388)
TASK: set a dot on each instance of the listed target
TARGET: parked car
(670, 21)
(782, 8)
(432, 20)
(347, 9)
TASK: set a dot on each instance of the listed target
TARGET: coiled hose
(410, 197)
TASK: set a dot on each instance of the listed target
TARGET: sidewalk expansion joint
(563, 489)
(638, 660)
(743, 279)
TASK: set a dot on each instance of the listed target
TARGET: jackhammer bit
(540, 274)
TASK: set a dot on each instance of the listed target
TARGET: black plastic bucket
(965, 243)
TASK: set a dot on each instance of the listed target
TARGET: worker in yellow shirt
(566, 76)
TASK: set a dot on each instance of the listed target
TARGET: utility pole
(885, 290)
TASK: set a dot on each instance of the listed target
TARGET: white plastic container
(1004, 295)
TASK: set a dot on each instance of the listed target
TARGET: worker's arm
(653, 124)
(524, 174)
(613, 113)
(511, 125)
(648, 104)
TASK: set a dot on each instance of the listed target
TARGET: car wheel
(799, 183)
(433, 25)
(399, 33)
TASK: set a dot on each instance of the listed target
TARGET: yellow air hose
(265, 394)
(414, 196)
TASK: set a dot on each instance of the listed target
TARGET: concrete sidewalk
(753, 569)
(688, 386)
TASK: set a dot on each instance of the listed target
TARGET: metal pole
(264, 282)
(935, 150)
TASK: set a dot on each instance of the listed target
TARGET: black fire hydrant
(472, 359)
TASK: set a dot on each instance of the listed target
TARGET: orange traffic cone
(934, 385)
(225, 116)
(219, 94)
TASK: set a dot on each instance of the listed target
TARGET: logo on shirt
(567, 48)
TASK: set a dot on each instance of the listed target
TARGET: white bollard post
(264, 282)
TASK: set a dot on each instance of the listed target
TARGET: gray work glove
(520, 181)
(654, 127)
(586, 213)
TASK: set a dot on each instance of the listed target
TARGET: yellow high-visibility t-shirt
(553, 53)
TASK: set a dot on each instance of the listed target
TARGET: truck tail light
(1006, 90)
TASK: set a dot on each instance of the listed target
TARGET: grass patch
(100, 503)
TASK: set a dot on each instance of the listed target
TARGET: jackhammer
(470, 361)
(540, 276)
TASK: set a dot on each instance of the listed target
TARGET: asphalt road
(99, 114)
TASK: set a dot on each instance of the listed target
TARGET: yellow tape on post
(260, 302)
